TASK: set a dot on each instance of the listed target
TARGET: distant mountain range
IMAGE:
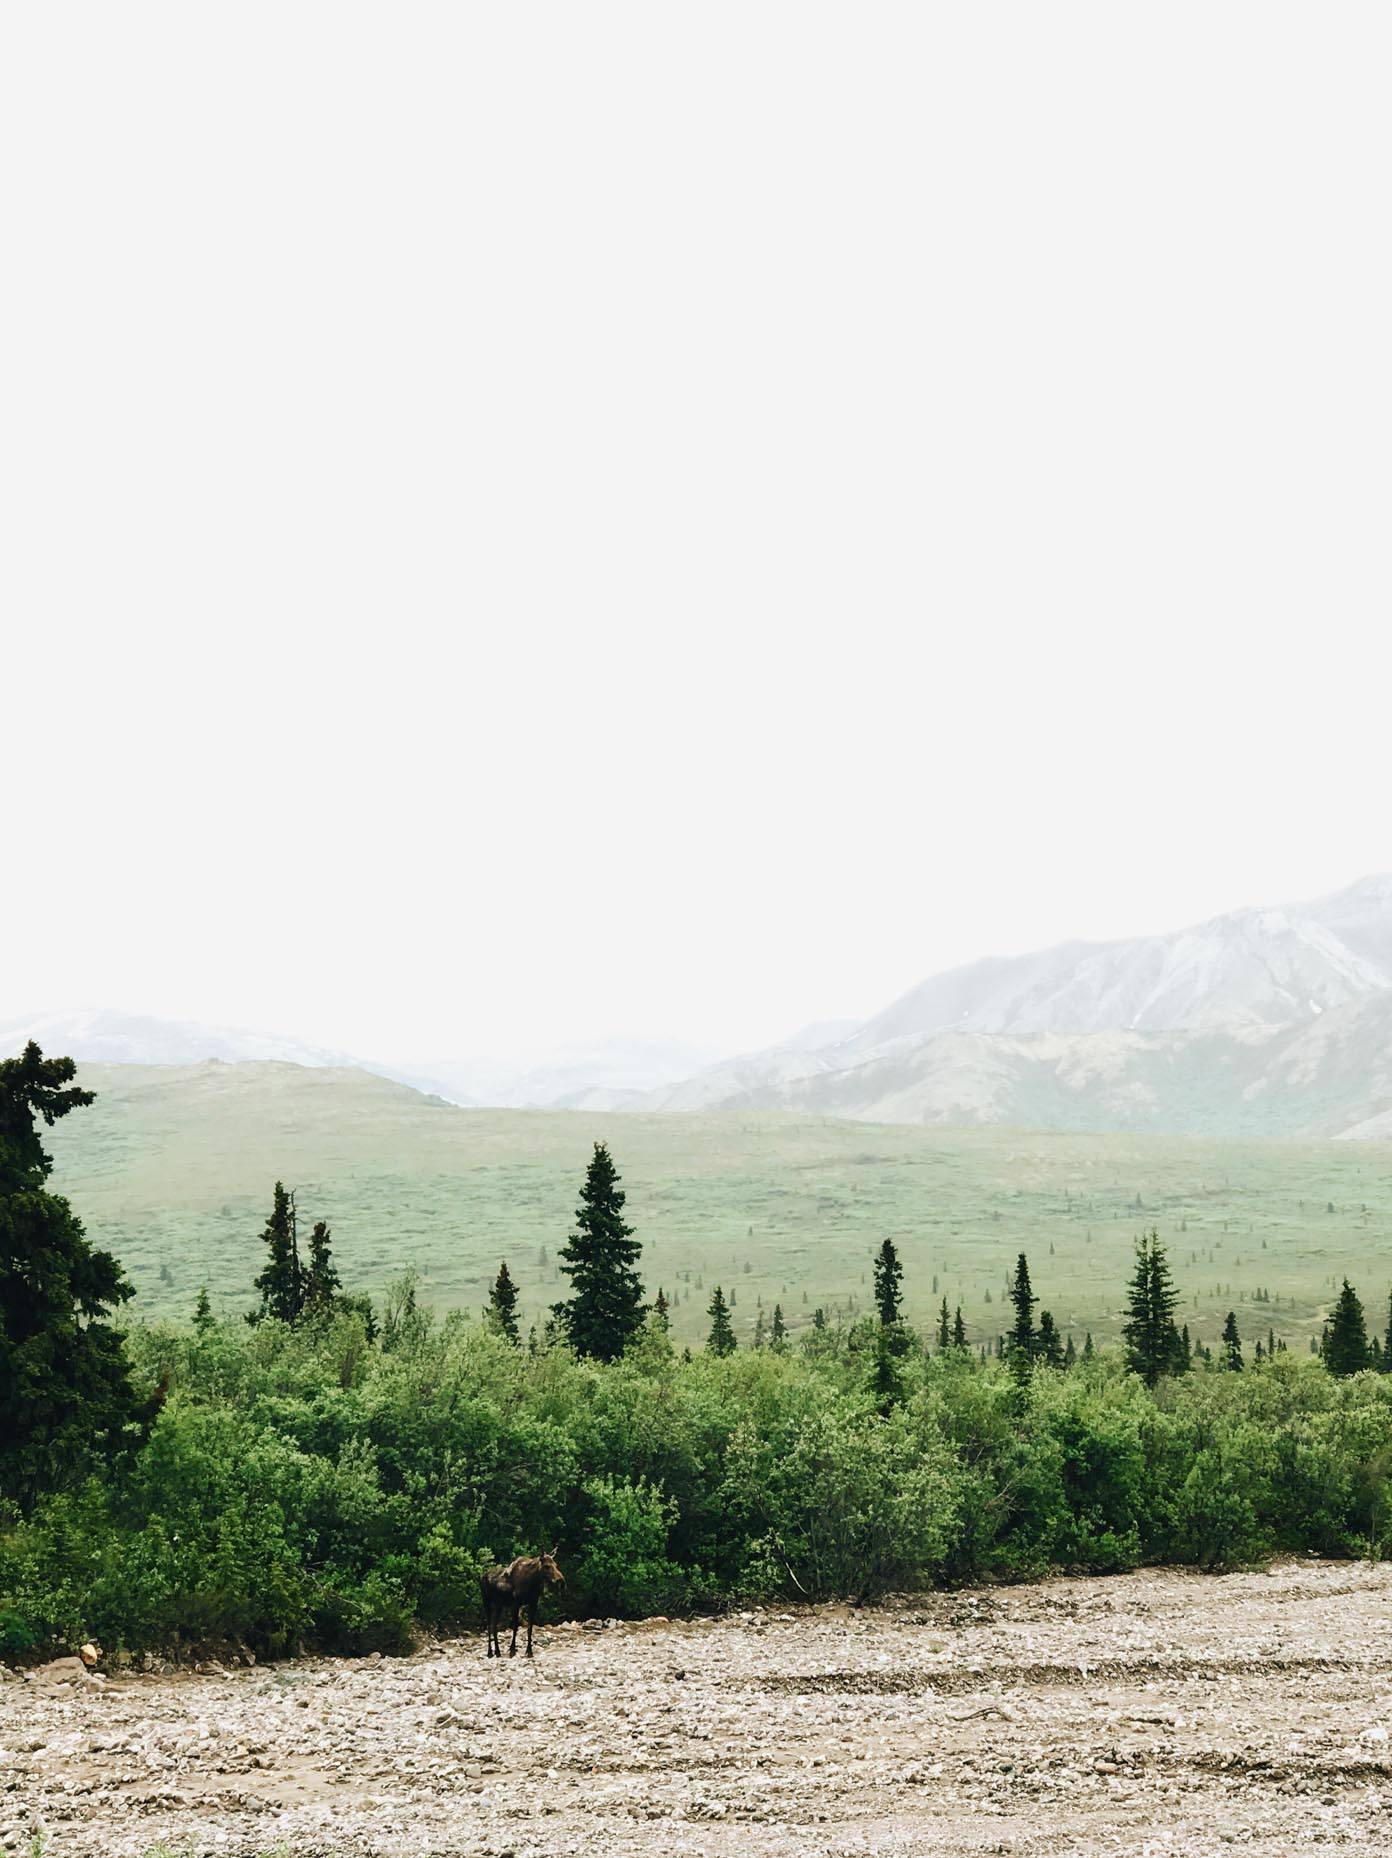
(1262, 1022)
(1274, 1021)
(98, 1035)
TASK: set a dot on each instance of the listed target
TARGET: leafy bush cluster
(307, 1485)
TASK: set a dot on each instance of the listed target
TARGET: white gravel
(1158, 1712)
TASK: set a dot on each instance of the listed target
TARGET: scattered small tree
(203, 1318)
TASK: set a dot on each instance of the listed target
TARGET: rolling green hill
(172, 1169)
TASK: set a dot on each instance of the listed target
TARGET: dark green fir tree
(889, 1279)
(605, 1309)
(1049, 1346)
(1232, 1344)
(282, 1282)
(1346, 1344)
(944, 1329)
(321, 1286)
(1153, 1346)
(721, 1340)
(959, 1330)
(502, 1303)
(65, 1393)
(778, 1334)
(203, 1318)
(1023, 1337)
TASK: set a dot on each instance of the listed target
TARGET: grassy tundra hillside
(173, 1166)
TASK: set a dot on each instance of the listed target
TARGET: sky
(525, 525)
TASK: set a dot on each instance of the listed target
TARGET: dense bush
(302, 1486)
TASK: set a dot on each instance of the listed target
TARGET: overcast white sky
(533, 522)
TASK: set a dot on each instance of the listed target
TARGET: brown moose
(517, 1585)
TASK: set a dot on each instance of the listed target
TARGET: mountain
(625, 1069)
(100, 1036)
(1254, 967)
(1273, 1021)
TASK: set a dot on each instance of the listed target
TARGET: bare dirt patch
(1148, 1713)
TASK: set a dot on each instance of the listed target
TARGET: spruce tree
(65, 1392)
(282, 1282)
(1232, 1344)
(502, 1303)
(759, 1330)
(1153, 1346)
(605, 1308)
(1346, 1346)
(321, 1284)
(1023, 1340)
(203, 1318)
(889, 1277)
(778, 1333)
(885, 1383)
(1088, 1350)
(944, 1329)
(1049, 1347)
(660, 1308)
(721, 1340)
(959, 1330)
(1070, 1354)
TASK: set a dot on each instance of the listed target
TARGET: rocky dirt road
(1149, 1713)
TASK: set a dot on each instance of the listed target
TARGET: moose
(517, 1585)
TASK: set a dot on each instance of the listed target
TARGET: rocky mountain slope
(1263, 1022)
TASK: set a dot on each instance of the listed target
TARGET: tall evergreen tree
(282, 1282)
(1088, 1350)
(944, 1329)
(605, 1308)
(1049, 1348)
(65, 1392)
(959, 1330)
(885, 1382)
(502, 1303)
(889, 1278)
(778, 1333)
(203, 1318)
(1153, 1344)
(721, 1340)
(321, 1284)
(1346, 1346)
(1023, 1339)
(660, 1308)
(1232, 1344)
(1070, 1354)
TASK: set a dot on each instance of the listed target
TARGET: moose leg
(488, 1626)
(531, 1621)
(516, 1620)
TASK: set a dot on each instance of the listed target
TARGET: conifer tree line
(67, 1397)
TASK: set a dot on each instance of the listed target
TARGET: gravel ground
(1147, 1713)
